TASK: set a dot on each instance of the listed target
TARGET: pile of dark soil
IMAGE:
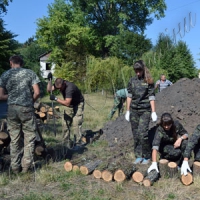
(181, 100)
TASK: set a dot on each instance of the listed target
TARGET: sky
(181, 22)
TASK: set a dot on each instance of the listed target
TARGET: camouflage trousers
(22, 130)
(173, 154)
(118, 104)
(73, 118)
(140, 125)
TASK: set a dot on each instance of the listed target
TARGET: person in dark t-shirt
(73, 113)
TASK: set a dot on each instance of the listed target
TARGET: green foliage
(106, 74)
(33, 196)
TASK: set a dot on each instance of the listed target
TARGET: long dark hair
(147, 75)
(166, 119)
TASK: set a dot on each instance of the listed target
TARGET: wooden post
(172, 169)
(152, 177)
(187, 180)
(163, 167)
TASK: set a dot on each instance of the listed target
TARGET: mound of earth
(181, 100)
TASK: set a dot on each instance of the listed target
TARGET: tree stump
(163, 167)
(196, 168)
(172, 169)
(188, 179)
(89, 167)
(152, 177)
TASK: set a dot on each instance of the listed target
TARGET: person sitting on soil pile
(162, 83)
(140, 104)
(74, 107)
(192, 145)
(119, 99)
(170, 141)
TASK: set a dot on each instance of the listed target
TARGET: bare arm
(153, 109)
(3, 96)
(154, 155)
(36, 91)
(128, 103)
(66, 102)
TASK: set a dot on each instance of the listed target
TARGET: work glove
(154, 116)
(153, 166)
(127, 116)
(53, 97)
(184, 167)
(49, 76)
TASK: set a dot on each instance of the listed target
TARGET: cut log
(68, 166)
(152, 177)
(126, 170)
(75, 168)
(39, 150)
(3, 136)
(139, 175)
(50, 109)
(187, 180)
(41, 115)
(89, 167)
(172, 169)
(57, 108)
(196, 168)
(163, 167)
(50, 113)
(43, 109)
(107, 175)
(97, 173)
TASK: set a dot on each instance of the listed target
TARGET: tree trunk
(163, 167)
(187, 180)
(89, 167)
(172, 169)
(152, 177)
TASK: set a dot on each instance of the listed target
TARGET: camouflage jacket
(18, 83)
(141, 93)
(163, 137)
(193, 140)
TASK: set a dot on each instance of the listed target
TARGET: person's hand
(185, 167)
(154, 116)
(53, 97)
(153, 166)
(177, 143)
(49, 76)
(127, 116)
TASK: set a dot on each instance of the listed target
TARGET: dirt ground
(181, 100)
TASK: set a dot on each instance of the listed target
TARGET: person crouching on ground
(170, 141)
(140, 104)
(192, 145)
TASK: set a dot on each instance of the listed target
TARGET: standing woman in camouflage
(140, 108)
(170, 141)
(22, 90)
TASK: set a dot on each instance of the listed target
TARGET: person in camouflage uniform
(140, 104)
(19, 86)
(170, 141)
(192, 145)
(73, 101)
(120, 98)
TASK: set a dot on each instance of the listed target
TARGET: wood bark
(152, 177)
(172, 169)
(188, 179)
(163, 167)
(89, 167)
(196, 168)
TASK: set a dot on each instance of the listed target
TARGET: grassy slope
(53, 182)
